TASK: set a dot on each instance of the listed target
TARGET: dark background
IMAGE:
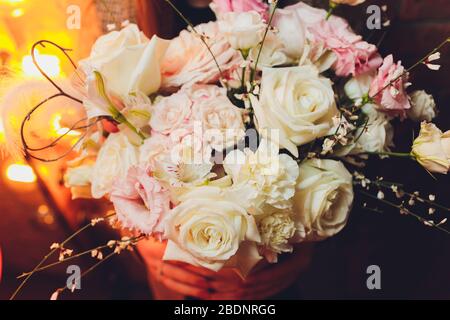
(414, 259)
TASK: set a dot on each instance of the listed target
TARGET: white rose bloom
(324, 197)
(208, 230)
(114, 159)
(358, 87)
(296, 102)
(291, 31)
(285, 44)
(127, 60)
(79, 176)
(243, 30)
(432, 148)
(315, 54)
(260, 177)
(376, 136)
(272, 53)
(423, 106)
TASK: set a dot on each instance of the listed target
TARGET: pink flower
(188, 60)
(140, 201)
(221, 7)
(171, 113)
(392, 99)
(353, 55)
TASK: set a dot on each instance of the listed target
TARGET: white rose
(315, 53)
(208, 230)
(244, 30)
(272, 53)
(127, 60)
(432, 148)
(324, 197)
(188, 61)
(79, 176)
(260, 177)
(296, 102)
(422, 106)
(114, 159)
(291, 32)
(358, 87)
(376, 135)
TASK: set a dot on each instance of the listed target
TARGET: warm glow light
(16, 13)
(47, 62)
(2, 132)
(20, 173)
(12, 1)
(56, 123)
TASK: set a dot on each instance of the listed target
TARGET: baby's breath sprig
(430, 56)
(398, 190)
(125, 243)
(405, 210)
(119, 245)
(55, 247)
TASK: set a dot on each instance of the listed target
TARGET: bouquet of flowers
(242, 137)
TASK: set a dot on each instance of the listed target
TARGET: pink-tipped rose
(188, 61)
(392, 99)
(140, 201)
(221, 7)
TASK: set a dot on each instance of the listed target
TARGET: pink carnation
(353, 55)
(140, 201)
(392, 99)
(221, 7)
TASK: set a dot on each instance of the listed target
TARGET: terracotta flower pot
(175, 280)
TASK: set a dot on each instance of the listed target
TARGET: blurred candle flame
(56, 123)
(20, 173)
(49, 63)
(16, 13)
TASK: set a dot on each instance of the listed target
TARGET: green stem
(252, 73)
(243, 77)
(393, 154)
(331, 8)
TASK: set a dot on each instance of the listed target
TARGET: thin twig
(105, 246)
(252, 74)
(404, 210)
(76, 233)
(188, 22)
(411, 68)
